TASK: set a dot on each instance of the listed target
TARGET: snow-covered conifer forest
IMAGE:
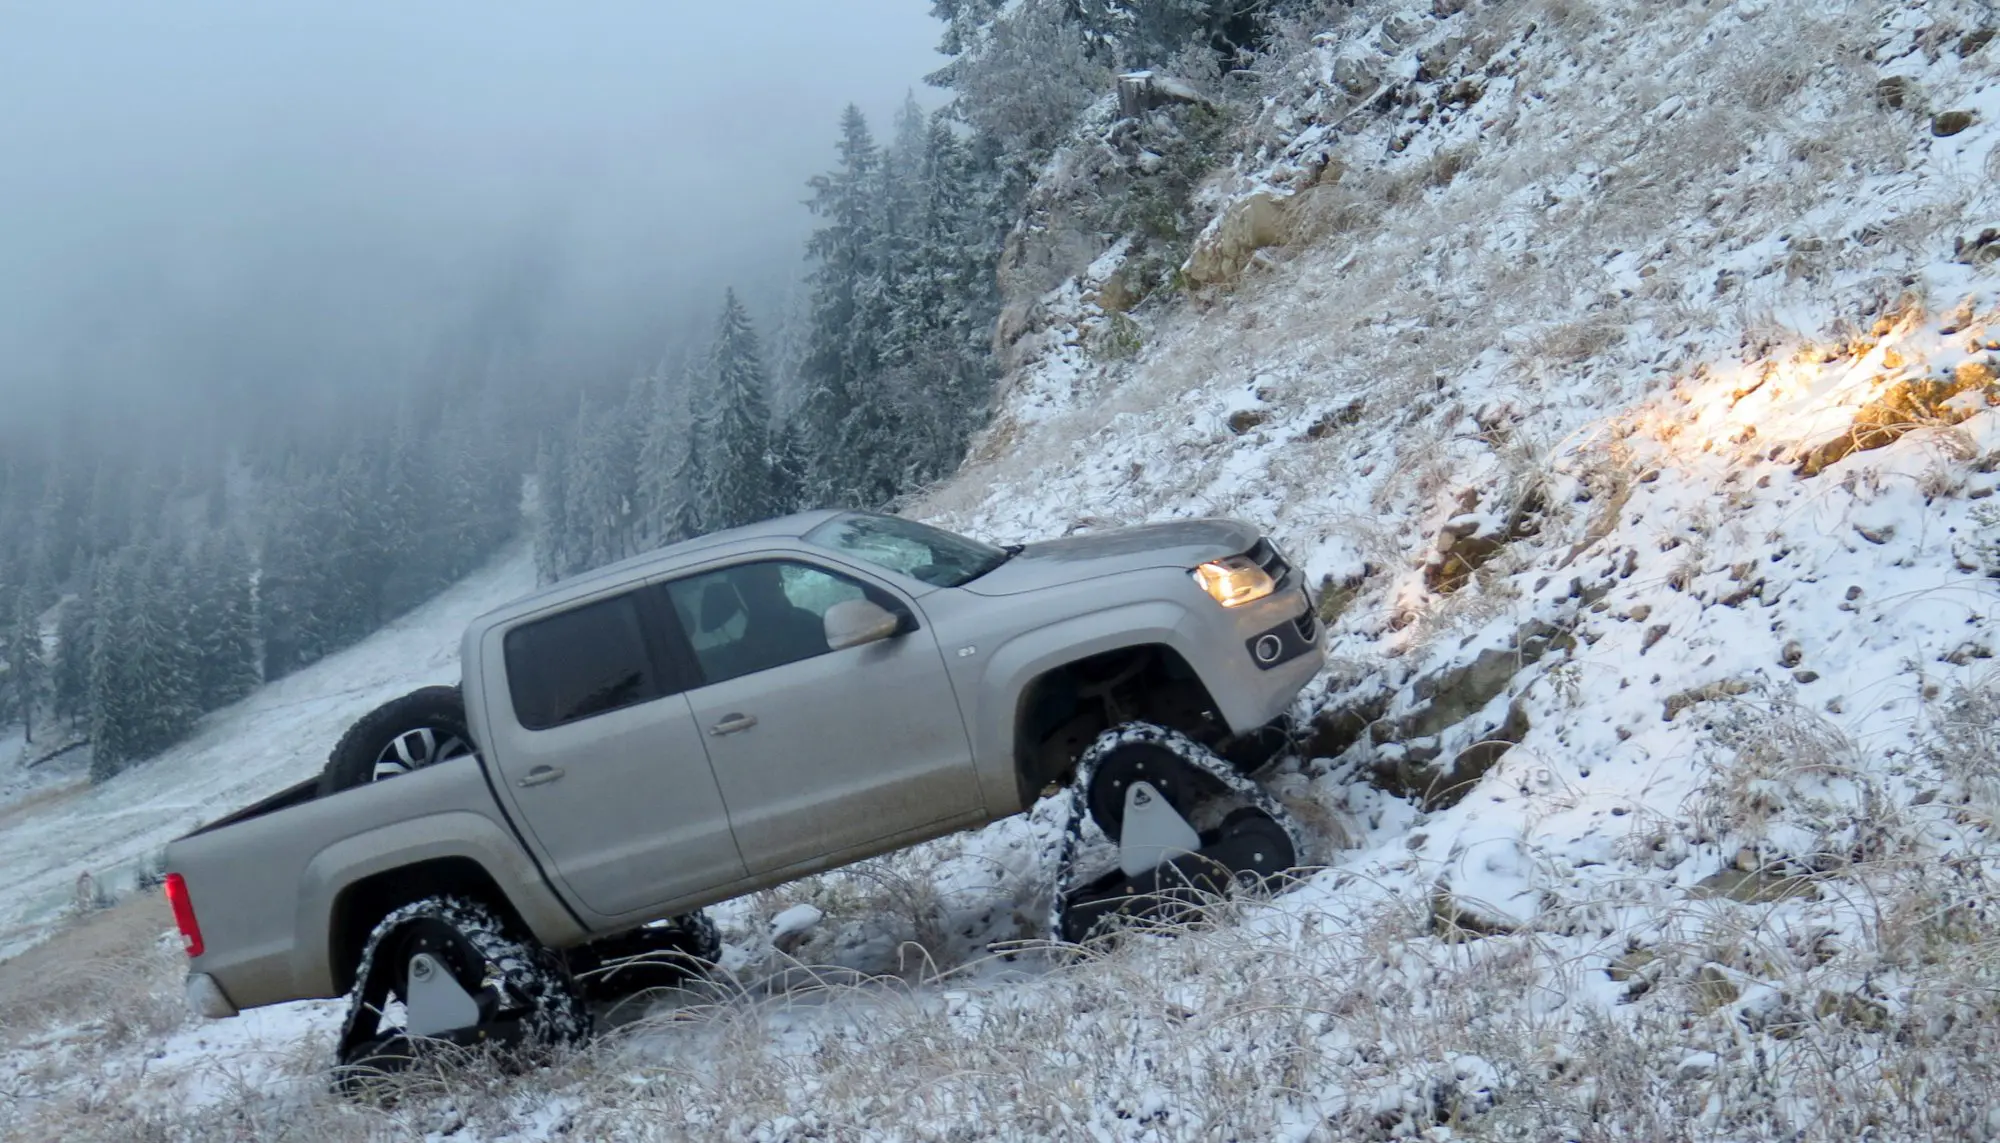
(1626, 374)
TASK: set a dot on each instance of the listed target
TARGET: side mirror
(856, 622)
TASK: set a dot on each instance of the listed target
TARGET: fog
(233, 199)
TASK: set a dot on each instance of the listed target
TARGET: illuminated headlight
(1234, 581)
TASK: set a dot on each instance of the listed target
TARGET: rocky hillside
(1626, 375)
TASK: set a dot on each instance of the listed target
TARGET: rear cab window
(583, 662)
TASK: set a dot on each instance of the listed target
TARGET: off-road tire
(352, 763)
(1200, 772)
(661, 956)
(526, 994)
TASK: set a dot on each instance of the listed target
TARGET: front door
(819, 752)
(604, 760)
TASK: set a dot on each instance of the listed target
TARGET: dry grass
(1863, 1008)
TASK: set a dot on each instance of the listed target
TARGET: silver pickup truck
(728, 714)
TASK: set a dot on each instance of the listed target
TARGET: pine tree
(142, 667)
(736, 486)
(170, 660)
(788, 470)
(663, 437)
(552, 534)
(590, 490)
(1021, 74)
(25, 665)
(840, 356)
(75, 637)
(690, 516)
(296, 594)
(472, 502)
(110, 704)
(222, 622)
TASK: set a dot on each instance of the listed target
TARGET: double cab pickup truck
(725, 715)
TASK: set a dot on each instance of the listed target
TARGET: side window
(753, 617)
(580, 663)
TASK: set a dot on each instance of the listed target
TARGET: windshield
(933, 555)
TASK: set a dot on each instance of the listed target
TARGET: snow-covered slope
(1627, 371)
(278, 736)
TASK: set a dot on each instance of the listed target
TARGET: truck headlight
(1234, 581)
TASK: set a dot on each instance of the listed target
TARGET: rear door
(819, 751)
(603, 759)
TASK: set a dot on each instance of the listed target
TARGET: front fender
(1027, 656)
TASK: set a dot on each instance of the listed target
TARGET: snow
(1679, 251)
(277, 737)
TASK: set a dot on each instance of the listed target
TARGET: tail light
(183, 906)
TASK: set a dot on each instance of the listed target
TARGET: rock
(1356, 72)
(1475, 760)
(1805, 678)
(1143, 91)
(1792, 655)
(1713, 989)
(1243, 420)
(1249, 224)
(790, 928)
(1116, 295)
(1437, 57)
(1695, 1066)
(1401, 28)
(1630, 965)
(1654, 634)
(1903, 406)
(1877, 536)
(1856, 1011)
(1457, 922)
(1898, 93)
(1461, 552)
(1753, 887)
(1948, 123)
(1346, 416)
(1728, 688)
(1337, 728)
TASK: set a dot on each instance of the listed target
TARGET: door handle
(541, 776)
(734, 724)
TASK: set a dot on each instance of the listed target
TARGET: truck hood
(1175, 543)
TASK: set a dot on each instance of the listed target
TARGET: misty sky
(229, 193)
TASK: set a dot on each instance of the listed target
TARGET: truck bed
(272, 885)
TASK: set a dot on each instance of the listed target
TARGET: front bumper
(207, 999)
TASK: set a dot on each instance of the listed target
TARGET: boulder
(1945, 124)
(1251, 223)
(1143, 91)
(1357, 73)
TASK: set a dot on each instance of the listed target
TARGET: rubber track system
(524, 995)
(1231, 786)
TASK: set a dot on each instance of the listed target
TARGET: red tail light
(183, 906)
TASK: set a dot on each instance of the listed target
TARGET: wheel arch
(1061, 709)
(362, 904)
(351, 885)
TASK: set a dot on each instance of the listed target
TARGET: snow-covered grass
(1635, 310)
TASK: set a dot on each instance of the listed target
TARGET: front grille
(1308, 623)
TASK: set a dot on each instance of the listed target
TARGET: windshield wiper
(1006, 553)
